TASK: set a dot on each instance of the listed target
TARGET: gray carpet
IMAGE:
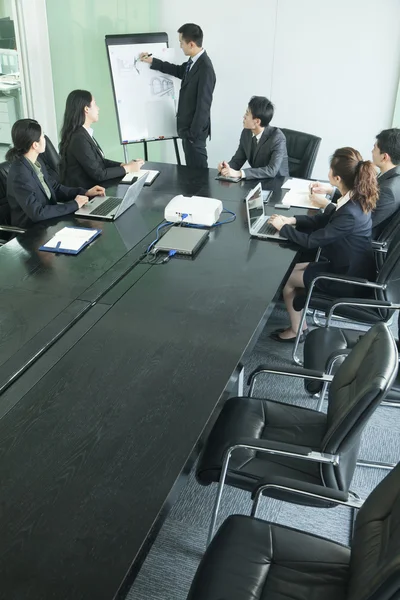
(170, 566)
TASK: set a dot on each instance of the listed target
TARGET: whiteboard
(145, 99)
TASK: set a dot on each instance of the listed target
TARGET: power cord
(158, 234)
(217, 224)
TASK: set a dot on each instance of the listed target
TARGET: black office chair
(389, 234)
(250, 558)
(255, 440)
(302, 149)
(325, 349)
(7, 232)
(386, 289)
(51, 160)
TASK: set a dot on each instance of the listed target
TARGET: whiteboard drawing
(146, 99)
(161, 85)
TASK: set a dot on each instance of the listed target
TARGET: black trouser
(195, 153)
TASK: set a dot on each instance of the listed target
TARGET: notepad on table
(297, 185)
(300, 199)
(151, 175)
(70, 240)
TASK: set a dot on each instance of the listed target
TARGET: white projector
(198, 210)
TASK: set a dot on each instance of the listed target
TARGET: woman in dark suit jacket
(31, 193)
(344, 234)
(82, 160)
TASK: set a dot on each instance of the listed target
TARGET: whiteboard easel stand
(146, 153)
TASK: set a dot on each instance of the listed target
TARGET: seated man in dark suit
(386, 156)
(263, 146)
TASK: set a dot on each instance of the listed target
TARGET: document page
(70, 238)
(300, 199)
(150, 176)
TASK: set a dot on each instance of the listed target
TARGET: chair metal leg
(240, 380)
(353, 515)
(392, 404)
(217, 504)
(295, 358)
(254, 507)
(372, 464)
(322, 396)
(316, 320)
(329, 369)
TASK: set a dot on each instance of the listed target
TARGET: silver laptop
(110, 208)
(257, 219)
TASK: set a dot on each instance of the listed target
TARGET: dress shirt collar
(343, 200)
(258, 136)
(89, 130)
(194, 58)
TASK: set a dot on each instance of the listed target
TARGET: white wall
(331, 68)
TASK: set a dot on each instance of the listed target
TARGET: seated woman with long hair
(32, 194)
(82, 161)
(344, 235)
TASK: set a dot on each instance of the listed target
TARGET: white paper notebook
(297, 185)
(301, 199)
(70, 240)
(151, 175)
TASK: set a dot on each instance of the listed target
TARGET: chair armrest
(289, 371)
(359, 302)
(11, 229)
(346, 279)
(284, 449)
(310, 490)
(376, 245)
(272, 446)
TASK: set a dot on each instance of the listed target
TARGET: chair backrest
(4, 206)
(389, 275)
(302, 149)
(391, 230)
(358, 387)
(51, 160)
(390, 234)
(375, 549)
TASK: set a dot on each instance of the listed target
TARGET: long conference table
(111, 374)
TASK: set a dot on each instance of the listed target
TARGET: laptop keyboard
(268, 229)
(106, 207)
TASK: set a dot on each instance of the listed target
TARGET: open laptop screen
(255, 206)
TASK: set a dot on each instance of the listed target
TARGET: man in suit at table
(263, 146)
(198, 82)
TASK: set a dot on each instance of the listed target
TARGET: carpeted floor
(170, 566)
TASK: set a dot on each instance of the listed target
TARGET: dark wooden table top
(99, 430)
(42, 294)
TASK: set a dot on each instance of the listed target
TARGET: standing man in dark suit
(263, 146)
(198, 82)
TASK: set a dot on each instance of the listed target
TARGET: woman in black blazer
(82, 160)
(344, 234)
(31, 193)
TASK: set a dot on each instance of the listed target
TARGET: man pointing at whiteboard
(198, 82)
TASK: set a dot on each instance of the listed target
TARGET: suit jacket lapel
(265, 136)
(389, 174)
(94, 143)
(193, 70)
(28, 164)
